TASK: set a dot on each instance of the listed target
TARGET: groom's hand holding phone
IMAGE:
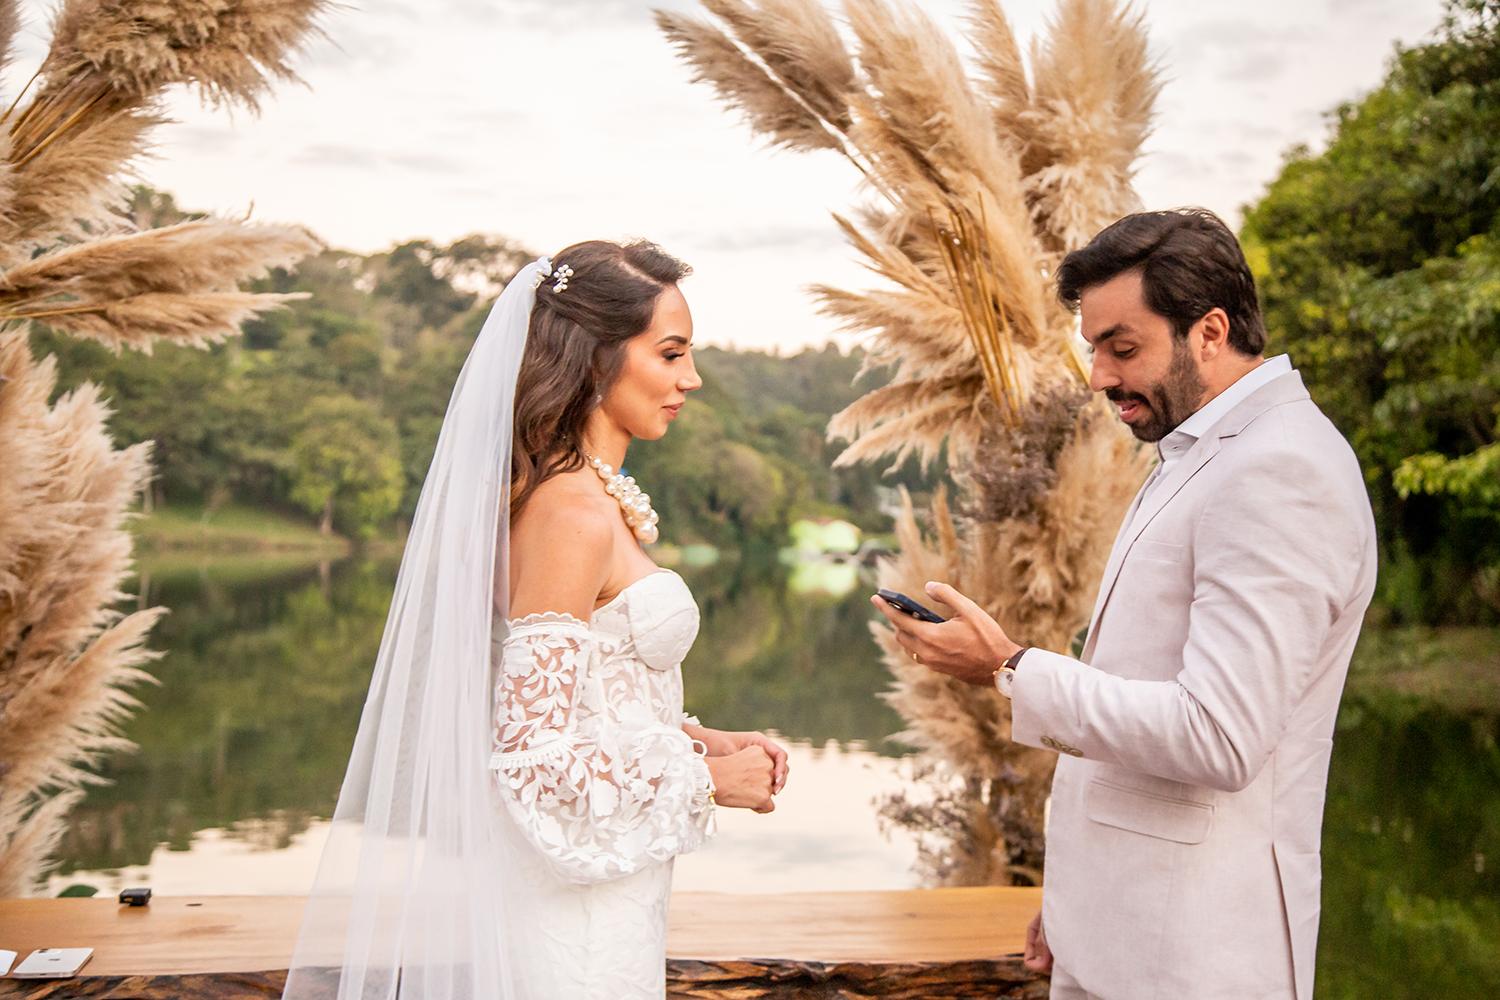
(970, 646)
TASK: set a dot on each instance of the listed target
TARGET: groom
(1195, 731)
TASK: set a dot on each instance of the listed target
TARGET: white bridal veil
(409, 891)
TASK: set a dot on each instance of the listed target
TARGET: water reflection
(801, 663)
(267, 667)
(1411, 841)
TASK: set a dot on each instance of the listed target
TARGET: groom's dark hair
(575, 348)
(1190, 263)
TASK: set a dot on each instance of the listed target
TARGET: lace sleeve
(597, 798)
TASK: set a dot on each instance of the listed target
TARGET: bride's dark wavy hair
(575, 348)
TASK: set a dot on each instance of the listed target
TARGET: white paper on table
(6, 957)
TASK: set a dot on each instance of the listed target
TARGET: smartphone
(53, 963)
(903, 603)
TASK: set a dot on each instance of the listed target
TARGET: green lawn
(1458, 668)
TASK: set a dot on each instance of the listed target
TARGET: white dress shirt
(1179, 442)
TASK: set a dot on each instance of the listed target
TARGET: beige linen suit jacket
(1187, 811)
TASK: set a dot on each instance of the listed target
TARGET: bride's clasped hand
(748, 768)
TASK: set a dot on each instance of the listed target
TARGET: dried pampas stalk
(983, 184)
(1096, 88)
(198, 256)
(10, 23)
(176, 283)
(231, 50)
(141, 320)
(741, 81)
(801, 47)
(100, 89)
(68, 185)
(1002, 73)
(66, 257)
(65, 658)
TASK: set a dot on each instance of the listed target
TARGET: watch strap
(1006, 675)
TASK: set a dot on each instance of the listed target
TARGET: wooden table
(718, 944)
(925, 925)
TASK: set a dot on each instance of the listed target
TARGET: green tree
(346, 464)
(708, 487)
(391, 331)
(147, 208)
(1379, 269)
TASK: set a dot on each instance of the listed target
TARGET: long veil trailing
(409, 893)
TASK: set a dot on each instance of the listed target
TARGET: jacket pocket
(1157, 551)
(1178, 820)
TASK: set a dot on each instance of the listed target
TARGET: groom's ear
(1213, 329)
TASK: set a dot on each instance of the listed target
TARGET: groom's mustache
(1117, 395)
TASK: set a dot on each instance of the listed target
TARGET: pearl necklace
(635, 505)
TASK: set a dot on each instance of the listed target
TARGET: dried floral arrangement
(981, 176)
(67, 258)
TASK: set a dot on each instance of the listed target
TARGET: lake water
(243, 746)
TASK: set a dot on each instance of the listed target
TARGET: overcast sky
(564, 120)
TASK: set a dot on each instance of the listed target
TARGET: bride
(524, 774)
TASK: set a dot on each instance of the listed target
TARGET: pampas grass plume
(66, 659)
(980, 185)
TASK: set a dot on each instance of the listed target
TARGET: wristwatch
(1006, 675)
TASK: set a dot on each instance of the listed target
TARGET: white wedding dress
(601, 789)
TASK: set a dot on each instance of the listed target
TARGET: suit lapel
(1143, 512)
(1282, 389)
(1112, 567)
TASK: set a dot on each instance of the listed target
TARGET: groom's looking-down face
(1151, 374)
(1168, 305)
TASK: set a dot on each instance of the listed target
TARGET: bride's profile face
(657, 373)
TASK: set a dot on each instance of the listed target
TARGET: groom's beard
(1170, 401)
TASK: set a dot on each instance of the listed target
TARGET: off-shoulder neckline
(545, 618)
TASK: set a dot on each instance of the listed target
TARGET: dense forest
(330, 408)
(1379, 266)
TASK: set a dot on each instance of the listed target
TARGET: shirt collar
(1183, 437)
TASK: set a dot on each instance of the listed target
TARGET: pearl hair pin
(635, 505)
(562, 274)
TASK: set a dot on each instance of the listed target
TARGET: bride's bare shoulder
(562, 547)
(568, 513)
